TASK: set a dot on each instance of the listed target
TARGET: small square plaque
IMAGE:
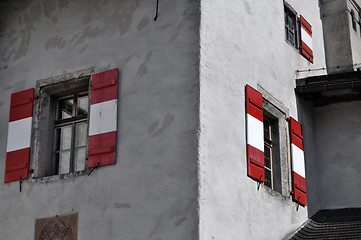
(57, 228)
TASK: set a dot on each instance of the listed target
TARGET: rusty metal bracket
(20, 183)
(156, 11)
(298, 203)
(259, 182)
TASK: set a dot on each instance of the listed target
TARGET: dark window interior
(290, 27)
(272, 153)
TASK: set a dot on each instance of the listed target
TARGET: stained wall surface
(243, 42)
(151, 192)
(337, 144)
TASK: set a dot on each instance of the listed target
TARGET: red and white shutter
(255, 139)
(306, 39)
(298, 162)
(19, 136)
(103, 119)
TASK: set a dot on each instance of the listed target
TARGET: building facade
(56, 48)
(175, 119)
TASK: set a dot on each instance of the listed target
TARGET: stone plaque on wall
(57, 228)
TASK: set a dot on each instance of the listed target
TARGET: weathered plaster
(243, 42)
(342, 42)
(151, 193)
(337, 140)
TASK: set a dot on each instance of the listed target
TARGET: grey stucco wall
(335, 20)
(337, 143)
(342, 42)
(243, 42)
(151, 193)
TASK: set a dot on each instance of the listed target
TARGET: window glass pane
(290, 22)
(65, 108)
(291, 38)
(80, 155)
(267, 157)
(65, 137)
(82, 107)
(266, 129)
(81, 134)
(64, 161)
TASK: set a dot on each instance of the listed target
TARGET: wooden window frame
(73, 122)
(268, 144)
(288, 11)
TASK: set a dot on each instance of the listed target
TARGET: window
(268, 158)
(353, 20)
(71, 127)
(267, 144)
(290, 26)
(268, 152)
(74, 127)
(359, 22)
(272, 164)
(61, 126)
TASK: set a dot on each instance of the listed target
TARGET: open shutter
(298, 162)
(103, 119)
(306, 39)
(255, 141)
(19, 136)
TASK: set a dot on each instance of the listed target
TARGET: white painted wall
(151, 193)
(243, 42)
(174, 109)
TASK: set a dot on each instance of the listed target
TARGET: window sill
(292, 46)
(60, 177)
(277, 194)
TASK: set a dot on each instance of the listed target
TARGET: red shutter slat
(307, 52)
(102, 149)
(296, 133)
(17, 165)
(19, 136)
(103, 114)
(255, 164)
(306, 25)
(21, 105)
(299, 189)
(255, 147)
(254, 103)
(104, 86)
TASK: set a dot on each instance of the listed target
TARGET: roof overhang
(331, 88)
